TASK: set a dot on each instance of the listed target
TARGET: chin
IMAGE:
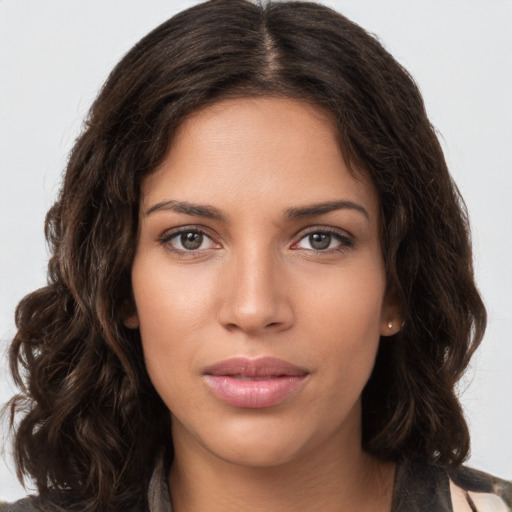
(259, 453)
(260, 441)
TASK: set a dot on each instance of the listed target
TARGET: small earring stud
(390, 325)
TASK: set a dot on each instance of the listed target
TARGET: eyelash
(345, 241)
(167, 237)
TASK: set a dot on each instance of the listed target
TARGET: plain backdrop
(54, 56)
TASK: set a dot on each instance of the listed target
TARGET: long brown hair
(91, 424)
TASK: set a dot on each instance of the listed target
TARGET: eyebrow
(197, 210)
(211, 212)
(323, 208)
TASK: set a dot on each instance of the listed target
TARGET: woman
(260, 293)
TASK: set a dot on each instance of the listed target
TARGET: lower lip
(253, 394)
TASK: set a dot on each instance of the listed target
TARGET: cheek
(171, 309)
(345, 320)
(170, 304)
(347, 302)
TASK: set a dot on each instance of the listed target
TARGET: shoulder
(474, 490)
(421, 486)
(23, 505)
(32, 504)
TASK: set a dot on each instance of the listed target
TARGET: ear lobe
(129, 315)
(391, 318)
(132, 321)
(391, 327)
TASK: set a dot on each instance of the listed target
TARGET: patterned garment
(419, 487)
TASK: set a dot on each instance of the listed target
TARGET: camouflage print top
(419, 487)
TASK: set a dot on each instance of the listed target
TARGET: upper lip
(260, 367)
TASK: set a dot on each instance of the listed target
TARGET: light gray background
(54, 55)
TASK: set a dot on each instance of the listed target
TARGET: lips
(254, 383)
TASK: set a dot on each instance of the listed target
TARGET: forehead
(258, 110)
(254, 148)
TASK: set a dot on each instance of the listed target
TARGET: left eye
(190, 240)
(322, 241)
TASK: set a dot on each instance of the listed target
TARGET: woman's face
(259, 283)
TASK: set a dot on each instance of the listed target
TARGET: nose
(254, 297)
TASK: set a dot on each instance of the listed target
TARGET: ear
(129, 315)
(391, 321)
(391, 326)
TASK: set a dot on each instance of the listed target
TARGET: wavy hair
(89, 424)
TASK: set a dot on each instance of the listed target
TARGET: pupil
(320, 240)
(191, 240)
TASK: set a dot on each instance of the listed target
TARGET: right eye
(188, 240)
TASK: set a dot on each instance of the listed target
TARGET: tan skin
(255, 271)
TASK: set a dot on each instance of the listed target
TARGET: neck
(332, 479)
